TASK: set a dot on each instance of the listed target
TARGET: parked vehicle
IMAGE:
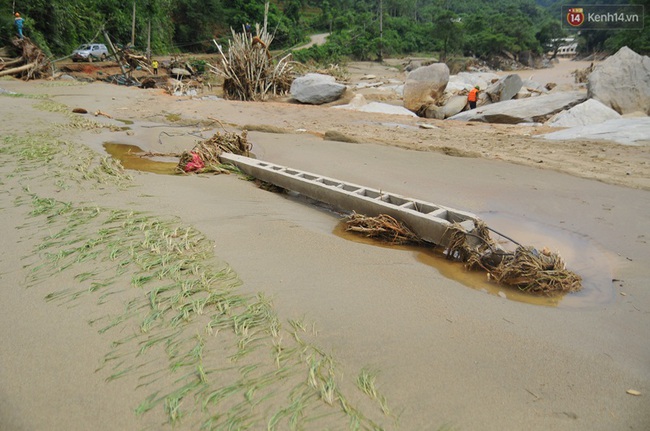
(90, 52)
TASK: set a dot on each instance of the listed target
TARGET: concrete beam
(429, 221)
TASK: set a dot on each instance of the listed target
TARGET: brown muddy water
(133, 157)
(581, 254)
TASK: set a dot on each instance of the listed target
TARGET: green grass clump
(174, 319)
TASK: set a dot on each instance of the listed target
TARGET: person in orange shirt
(472, 97)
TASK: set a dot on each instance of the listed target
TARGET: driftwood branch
(18, 70)
(34, 62)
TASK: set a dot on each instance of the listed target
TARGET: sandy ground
(447, 354)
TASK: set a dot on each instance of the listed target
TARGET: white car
(90, 52)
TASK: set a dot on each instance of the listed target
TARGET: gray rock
(453, 106)
(534, 86)
(586, 113)
(433, 111)
(355, 103)
(523, 94)
(627, 131)
(467, 81)
(316, 89)
(530, 110)
(412, 65)
(385, 108)
(177, 71)
(425, 85)
(505, 88)
(622, 82)
(427, 126)
(358, 103)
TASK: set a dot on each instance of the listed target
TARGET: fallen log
(12, 62)
(18, 70)
(36, 64)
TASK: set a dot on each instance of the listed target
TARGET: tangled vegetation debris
(530, 270)
(249, 70)
(382, 227)
(204, 157)
(527, 269)
(32, 64)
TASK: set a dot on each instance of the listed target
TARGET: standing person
(472, 97)
(154, 65)
(18, 21)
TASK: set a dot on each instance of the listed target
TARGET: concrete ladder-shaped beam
(429, 221)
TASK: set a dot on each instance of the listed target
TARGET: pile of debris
(32, 63)
(204, 157)
(383, 227)
(530, 270)
(527, 269)
(185, 77)
(129, 62)
(249, 70)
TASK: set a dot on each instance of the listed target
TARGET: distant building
(568, 47)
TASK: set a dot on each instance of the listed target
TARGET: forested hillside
(361, 29)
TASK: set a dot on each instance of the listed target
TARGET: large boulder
(627, 131)
(622, 82)
(465, 81)
(453, 106)
(316, 89)
(425, 85)
(584, 114)
(505, 88)
(529, 110)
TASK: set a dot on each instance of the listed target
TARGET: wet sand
(447, 353)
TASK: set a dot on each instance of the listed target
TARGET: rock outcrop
(359, 103)
(316, 89)
(584, 114)
(505, 88)
(622, 82)
(453, 106)
(627, 131)
(467, 80)
(530, 110)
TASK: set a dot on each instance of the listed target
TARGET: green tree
(550, 36)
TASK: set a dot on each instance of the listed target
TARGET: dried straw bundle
(538, 272)
(382, 227)
(459, 248)
(527, 268)
(248, 68)
(210, 150)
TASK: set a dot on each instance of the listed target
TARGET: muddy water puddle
(581, 256)
(133, 157)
